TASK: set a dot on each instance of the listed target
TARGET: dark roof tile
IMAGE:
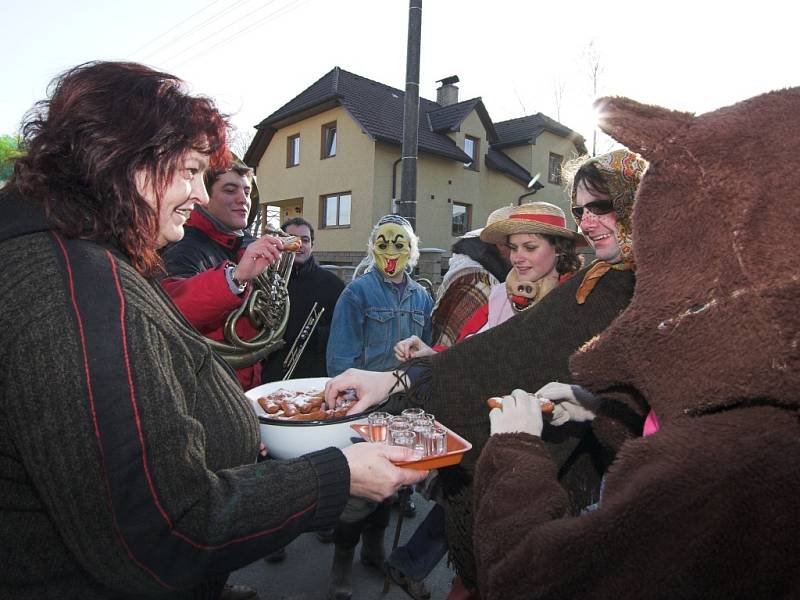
(377, 107)
(500, 161)
(448, 118)
(525, 130)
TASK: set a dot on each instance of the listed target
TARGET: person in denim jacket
(373, 313)
(381, 307)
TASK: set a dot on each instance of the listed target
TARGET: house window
(335, 210)
(328, 140)
(554, 169)
(462, 218)
(472, 148)
(293, 151)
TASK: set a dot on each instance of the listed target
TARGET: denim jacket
(370, 318)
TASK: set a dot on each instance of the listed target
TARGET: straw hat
(497, 215)
(535, 217)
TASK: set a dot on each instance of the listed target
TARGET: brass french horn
(267, 308)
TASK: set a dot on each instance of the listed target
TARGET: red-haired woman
(128, 449)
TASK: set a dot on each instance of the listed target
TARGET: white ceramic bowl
(289, 439)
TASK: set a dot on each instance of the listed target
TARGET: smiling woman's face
(185, 191)
(532, 256)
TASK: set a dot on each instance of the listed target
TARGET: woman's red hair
(104, 123)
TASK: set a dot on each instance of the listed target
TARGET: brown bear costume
(708, 506)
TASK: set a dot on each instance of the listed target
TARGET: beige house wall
(442, 182)
(523, 155)
(300, 187)
(365, 168)
(554, 193)
(536, 159)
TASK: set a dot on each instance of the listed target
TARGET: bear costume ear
(642, 128)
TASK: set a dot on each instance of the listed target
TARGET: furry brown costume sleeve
(680, 517)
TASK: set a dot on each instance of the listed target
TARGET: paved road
(305, 572)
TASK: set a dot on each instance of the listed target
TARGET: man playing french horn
(212, 270)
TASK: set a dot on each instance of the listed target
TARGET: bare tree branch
(559, 88)
(240, 141)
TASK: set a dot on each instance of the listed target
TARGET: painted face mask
(391, 249)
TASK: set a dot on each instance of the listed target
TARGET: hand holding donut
(520, 413)
(257, 257)
(572, 402)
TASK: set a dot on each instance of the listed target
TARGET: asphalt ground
(305, 573)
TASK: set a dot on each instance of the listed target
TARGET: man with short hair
(309, 283)
(209, 271)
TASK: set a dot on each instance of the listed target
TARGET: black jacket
(309, 283)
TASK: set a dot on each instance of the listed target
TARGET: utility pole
(407, 206)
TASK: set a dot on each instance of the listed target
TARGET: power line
(174, 27)
(199, 26)
(292, 5)
(236, 21)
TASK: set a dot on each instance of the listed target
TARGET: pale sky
(252, 56)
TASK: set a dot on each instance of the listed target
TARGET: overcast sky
(252, 56)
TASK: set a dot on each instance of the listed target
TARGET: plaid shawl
(458, 301)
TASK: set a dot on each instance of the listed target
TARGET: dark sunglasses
(596, 207)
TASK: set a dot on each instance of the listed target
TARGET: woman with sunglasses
(526, 353)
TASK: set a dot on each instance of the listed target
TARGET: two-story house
(332, 155)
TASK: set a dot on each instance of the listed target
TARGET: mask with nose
(393, 247)
(524, 294)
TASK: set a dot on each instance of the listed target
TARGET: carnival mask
(391, 249)
(524, 294)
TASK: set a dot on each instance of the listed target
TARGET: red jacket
(196, 283)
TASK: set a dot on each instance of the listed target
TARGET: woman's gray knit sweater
(127, 449)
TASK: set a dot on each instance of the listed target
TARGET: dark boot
(341, 587)
(325, 536)
(372, 552)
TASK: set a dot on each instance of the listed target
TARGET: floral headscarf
(621, 171)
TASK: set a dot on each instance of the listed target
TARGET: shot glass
(397, 425)
(436, 441)
(420, 428)
(378, 422)
(408, 439)
(412, 413)
(402, 437)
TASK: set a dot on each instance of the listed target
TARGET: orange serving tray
(456, 447)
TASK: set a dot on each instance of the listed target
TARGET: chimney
(447, 94)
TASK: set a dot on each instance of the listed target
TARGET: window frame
(476, 145)
(323, 210)
(467, 221)
(290, 151)
(554, 177)
(323, 141)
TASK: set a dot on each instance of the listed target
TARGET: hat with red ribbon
(534, 217)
